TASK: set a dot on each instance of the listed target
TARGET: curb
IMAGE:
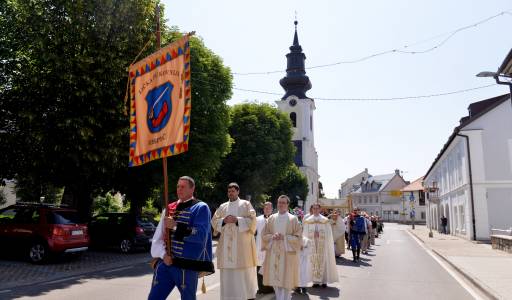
(481, 287)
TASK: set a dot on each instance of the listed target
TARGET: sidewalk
(16, 272)
(490, 270)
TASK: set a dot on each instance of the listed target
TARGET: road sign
(411, 196)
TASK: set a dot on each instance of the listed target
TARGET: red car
(39, 230)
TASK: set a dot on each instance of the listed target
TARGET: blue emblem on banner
(159, 107)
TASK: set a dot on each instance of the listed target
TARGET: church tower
(300, 109)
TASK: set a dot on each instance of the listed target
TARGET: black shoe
(324, 285)
(316, 285)
(298, 290)
(304, 291)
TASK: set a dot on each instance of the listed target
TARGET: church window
(311, 122)
(293, 118)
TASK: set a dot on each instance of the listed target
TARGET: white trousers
(282, 293)
(236, 284)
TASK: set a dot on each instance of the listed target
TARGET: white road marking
(446, 267)
(118, 269)
(5, 291)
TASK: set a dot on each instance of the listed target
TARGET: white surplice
(236, 259)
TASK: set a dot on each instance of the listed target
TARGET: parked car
(39, 230)
(122, 230)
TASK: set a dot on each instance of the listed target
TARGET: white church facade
(300, 109)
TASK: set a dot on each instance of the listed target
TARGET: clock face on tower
(293, 102)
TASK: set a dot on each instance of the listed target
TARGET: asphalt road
(396, 268)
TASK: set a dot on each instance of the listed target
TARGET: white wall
(491, 166)
(304, 110)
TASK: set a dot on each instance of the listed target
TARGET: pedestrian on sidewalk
(444, 224)
(188, 220)
(236, 250)
(282, 241)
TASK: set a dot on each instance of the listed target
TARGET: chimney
(397, 172)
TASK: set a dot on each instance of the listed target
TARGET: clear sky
(254, 36)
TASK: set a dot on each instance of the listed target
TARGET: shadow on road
(324, 293)
(20, 278)
(347, 261)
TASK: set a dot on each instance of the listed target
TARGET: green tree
(321, 193)
(261, 152)
(62, 85)
(294, 184)
(107, 203)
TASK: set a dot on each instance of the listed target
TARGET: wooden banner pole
(164, 160)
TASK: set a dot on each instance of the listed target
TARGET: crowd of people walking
(278, 252)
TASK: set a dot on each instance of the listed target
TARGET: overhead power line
(380, 99)
(400, 50)
(414, 97)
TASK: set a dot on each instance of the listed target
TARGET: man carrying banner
(236, 250)
(191, 245)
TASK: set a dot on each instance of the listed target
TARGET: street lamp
(504, 73)
(498, 77)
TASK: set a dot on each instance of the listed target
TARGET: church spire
(295, 82)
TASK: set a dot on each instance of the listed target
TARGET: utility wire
(414, 97)
(380, 99)
(401, 50)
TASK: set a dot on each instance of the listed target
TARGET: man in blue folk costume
(190, 255)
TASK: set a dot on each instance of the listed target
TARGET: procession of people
(284, 252)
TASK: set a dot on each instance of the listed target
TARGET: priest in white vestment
(318, 229)
(236, 249)
(260, 224)
(282, 241)
(338, 233)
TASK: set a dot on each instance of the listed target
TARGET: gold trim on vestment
(316, 222)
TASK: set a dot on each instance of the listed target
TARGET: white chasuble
(236, 247)
(236, 250)
(322, 259)
(281, 265)
(338, 234)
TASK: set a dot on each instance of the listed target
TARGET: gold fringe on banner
(127, 92)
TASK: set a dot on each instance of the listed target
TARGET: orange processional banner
(160, 103)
